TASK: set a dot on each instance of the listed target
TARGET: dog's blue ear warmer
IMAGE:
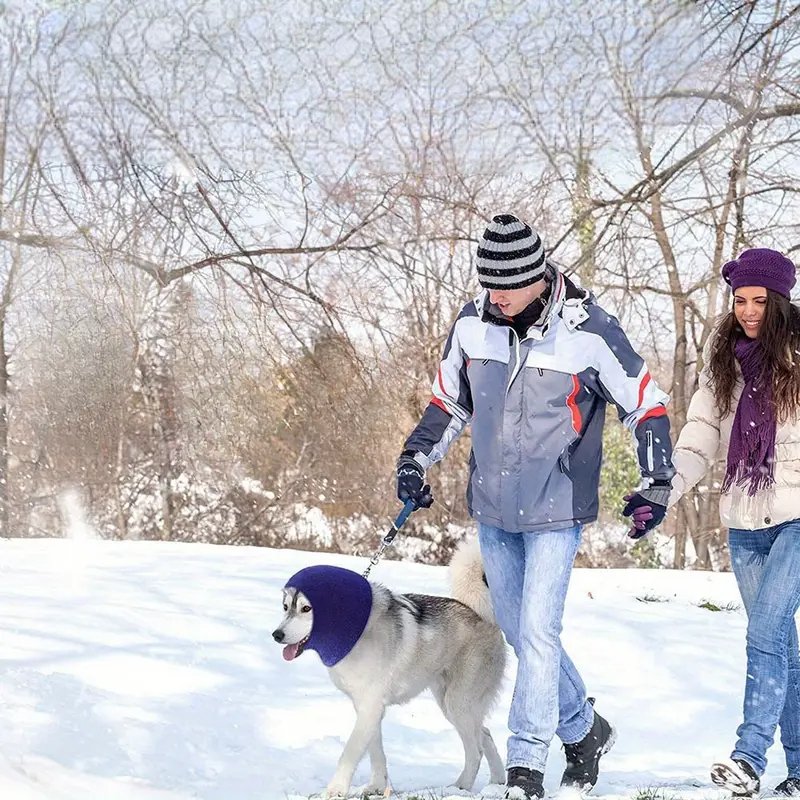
(341, 601)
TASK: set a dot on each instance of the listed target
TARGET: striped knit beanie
(510, 254)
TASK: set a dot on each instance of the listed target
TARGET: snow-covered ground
(146, 671)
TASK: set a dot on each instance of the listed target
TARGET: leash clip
(408, 509)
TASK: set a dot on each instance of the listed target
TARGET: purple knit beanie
(761, 266)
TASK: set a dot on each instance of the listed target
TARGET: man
(532, 363)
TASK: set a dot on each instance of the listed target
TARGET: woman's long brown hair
(780, 342)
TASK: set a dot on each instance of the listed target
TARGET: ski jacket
(536, 406)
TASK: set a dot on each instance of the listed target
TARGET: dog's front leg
(369, 714)
(379, 779)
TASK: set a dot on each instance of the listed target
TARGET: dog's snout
(278, 635)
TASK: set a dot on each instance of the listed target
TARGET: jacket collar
(566, 300)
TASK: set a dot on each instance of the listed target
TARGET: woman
(746, 410)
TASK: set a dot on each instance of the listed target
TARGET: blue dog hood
(341, 601)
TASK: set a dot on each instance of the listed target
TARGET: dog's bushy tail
(467, 579)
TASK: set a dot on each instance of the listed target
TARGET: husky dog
(383, 648)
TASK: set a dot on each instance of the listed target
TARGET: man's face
(512, 301)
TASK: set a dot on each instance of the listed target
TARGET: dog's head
(295, 629)
(341, 600)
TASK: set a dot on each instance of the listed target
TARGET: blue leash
(408, 509)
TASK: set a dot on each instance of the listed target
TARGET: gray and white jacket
(537, 407)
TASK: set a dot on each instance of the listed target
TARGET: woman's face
(749, 304)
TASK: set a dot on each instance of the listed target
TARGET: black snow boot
(736, 775)
(583, 757)
(789, 788)
(524, 784)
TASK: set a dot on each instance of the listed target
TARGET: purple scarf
(751, 452)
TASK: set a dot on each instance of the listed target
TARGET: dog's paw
(377, 787)
(337, 788)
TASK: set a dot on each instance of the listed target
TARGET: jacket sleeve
(449, 410)
(624, 380)
(697, 447)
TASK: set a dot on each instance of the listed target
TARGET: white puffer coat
(704, 440)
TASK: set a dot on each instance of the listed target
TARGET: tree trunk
(679, 403)
(679, 557)
(4, 516)
(155, 367)
(587, 229)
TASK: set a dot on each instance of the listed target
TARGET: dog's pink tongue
(290, 651)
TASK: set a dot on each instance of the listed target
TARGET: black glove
(411, 482)
(648, 508)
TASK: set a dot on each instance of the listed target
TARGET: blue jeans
(528, 575)
(766, 563)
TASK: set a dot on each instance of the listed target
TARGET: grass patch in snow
(709, 606)
(651, 598)
(654, 793)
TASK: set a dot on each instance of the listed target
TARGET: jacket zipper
(517, 365)
(650, 461)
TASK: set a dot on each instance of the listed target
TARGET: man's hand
(647, 508)
(411, 482)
